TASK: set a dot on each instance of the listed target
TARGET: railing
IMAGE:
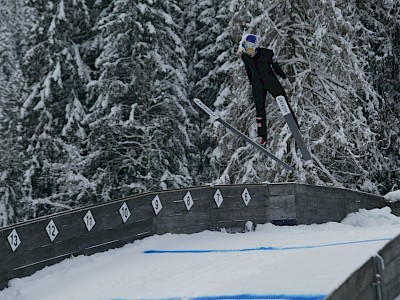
(29, 246)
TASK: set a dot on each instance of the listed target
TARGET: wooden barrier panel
(30, 246)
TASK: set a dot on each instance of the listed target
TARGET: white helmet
(249, 41)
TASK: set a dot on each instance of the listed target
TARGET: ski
(244, 137)
(289, 118)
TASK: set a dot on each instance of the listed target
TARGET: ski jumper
(261, 69)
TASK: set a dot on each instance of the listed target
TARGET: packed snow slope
(298, 262)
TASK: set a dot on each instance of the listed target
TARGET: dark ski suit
(261, 71)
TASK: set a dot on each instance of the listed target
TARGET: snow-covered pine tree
(348, 97)
(12, 32)
(54, 66)
(331, 95)
(208, 46)
(381, 47)
(332, 92)
(139, 114)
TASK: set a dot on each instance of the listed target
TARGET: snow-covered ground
(393, 196)
(299, 262)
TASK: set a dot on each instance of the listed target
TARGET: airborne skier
(261, 66)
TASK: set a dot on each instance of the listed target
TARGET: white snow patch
(372, 218)
(393, 196)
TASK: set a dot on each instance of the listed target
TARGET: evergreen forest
(96, 97)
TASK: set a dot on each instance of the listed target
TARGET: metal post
(379, 268)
